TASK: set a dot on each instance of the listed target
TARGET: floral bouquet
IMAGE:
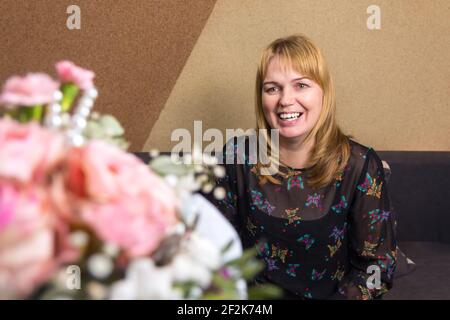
(80, 218)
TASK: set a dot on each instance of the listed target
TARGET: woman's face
(291, 102)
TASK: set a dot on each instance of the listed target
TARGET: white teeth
(289, 116)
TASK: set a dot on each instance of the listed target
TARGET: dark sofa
(419, 185)
(420, 192)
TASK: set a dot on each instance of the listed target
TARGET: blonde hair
(331, 149)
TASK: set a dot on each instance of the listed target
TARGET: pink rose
(135, 224)
(32, 89)
(32, 243)
(122, 200)
(68, 72)
(27, 151)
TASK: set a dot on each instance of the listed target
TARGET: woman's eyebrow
(274, 82)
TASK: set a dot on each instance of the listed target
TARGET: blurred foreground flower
(80, 218)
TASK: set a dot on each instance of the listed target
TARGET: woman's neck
(295, 152)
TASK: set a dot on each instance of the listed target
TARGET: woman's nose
(287, 98)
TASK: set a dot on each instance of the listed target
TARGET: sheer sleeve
(229, 204)
(372, 237)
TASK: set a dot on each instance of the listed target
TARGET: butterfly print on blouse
(260, 202)
(292, 215)
(388, 263)
(316, 275)
(291, 269)
(342, 205)
(334, 248)
(279, 253)
(338, 274)
(370, 186)
(306, 240)
(338, 233)
(365, 293)
(295, 181)
(369, 249)
(271, 264)
(378, 215)
(314, 200)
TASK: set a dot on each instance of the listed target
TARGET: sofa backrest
(419, 186)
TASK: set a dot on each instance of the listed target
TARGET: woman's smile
(287, 119)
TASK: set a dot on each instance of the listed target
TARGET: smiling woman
(323, 224)
(293, 77)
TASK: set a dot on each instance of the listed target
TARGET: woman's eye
(302, 85)
(271, 89)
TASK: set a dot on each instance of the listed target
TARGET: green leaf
(163, 165)
(223, 283)
(70, 92)
(37, 112)
(264, 291)
(251, 269)
(247, 255)
(106, 128)
(27, 114)
(111, 125)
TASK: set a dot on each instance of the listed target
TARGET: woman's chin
(291, 133)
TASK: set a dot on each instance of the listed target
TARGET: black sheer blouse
(336, 242)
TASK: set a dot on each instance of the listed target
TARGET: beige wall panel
(392, 84)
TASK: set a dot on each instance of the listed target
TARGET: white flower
(171, 180)
(219, 193)
(202, 178)
(144, 280)
(207, 188)
(203, 251)
(241, 288)
(179, 229)
(188, 183)
(219, 171)
(185, 268)
(195, 293)
(100, 265)
(212, 225)
(197, 259)
(123, 290)
(78, 239)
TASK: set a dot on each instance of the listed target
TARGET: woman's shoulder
(358, 150)
(363, 156)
